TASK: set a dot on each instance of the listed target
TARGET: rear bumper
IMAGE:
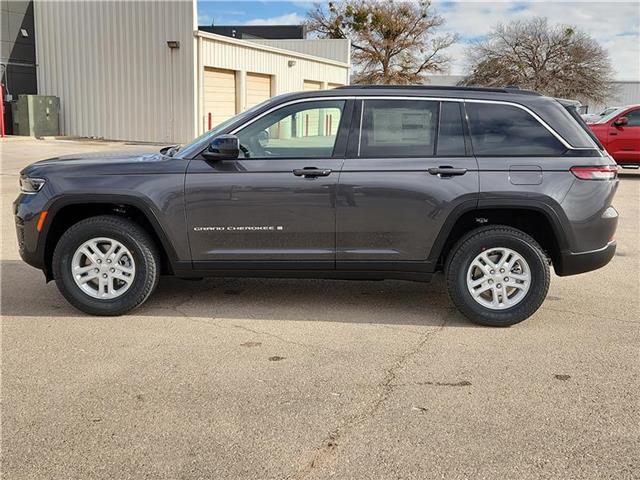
(573, 263)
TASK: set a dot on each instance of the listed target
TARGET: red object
(608, 172)
(306, 128)
(2, 109)
(209, 121)
(620, 138)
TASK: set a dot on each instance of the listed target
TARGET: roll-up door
(219, 95)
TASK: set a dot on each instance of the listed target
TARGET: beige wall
(250, 57)
(109, 63)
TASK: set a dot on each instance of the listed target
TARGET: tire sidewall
(63, 275)
(523, 309)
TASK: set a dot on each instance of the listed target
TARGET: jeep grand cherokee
(490, 186)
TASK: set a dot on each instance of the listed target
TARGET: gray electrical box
(36, 115)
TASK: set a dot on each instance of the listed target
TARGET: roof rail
(510, 89)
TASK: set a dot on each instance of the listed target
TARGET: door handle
(312, 172)
(446, 171)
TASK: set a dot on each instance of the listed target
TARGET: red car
(619, 132)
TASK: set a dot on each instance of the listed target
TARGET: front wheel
(497, 276)
(106, 265)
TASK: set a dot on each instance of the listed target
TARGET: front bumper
(26, 210)
(573, 263)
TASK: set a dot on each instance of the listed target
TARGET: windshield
(198, 144)
(607, 111)
(611, 115)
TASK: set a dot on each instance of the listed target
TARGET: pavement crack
(386, 386)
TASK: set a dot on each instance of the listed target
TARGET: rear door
(408, 168)
(624, 140)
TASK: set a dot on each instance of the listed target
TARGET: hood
(105, 163)
(100, 158)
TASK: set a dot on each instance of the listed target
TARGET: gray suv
(490, 186)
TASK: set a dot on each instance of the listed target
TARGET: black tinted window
(450, 134)
(507, 130)
(398, 128)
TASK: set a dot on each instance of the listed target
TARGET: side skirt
(413, 271)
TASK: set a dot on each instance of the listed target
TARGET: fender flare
(58, 203)
(555, 216)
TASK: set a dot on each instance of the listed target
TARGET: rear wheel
(106, 265)
(497, 276)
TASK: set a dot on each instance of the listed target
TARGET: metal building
(142, 71)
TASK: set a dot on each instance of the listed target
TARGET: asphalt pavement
(309, 379)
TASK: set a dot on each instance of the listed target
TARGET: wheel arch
(69, 210)
(537, 219)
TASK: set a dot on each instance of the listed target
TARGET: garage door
(258, 88)
(311, 85)
(219, 95)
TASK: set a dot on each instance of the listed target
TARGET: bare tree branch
(555, 60)
(393, 42)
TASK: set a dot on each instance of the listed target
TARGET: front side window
(505, 130)
(398, 128)
(634, 118)
(301, 130)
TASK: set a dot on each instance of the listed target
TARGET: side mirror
(621, 122)
(223, 147)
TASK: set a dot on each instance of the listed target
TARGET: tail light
(606, 172)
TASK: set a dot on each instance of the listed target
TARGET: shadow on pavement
(25, 294)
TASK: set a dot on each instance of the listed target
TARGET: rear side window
(505, 130)
(398, 128)
(450, 133)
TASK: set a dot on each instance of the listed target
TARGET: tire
(141, 258)
(466, 267)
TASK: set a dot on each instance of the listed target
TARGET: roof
(549, 109)
(426, 88)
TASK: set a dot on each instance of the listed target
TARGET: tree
(557, 60)
(392, 42)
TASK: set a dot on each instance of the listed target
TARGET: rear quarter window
(505, 130)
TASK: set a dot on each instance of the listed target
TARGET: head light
(31, 185)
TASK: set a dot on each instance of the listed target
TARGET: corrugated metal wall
(622, 94)
(334, 49)
(249, 57)
(109, 63)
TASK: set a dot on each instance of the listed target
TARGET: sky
(616, 25)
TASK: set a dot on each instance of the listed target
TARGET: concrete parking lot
(279, 379)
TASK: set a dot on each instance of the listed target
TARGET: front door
(407, 168)
(624, 140)
(277, 202)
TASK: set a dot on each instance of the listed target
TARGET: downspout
(200, 86)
